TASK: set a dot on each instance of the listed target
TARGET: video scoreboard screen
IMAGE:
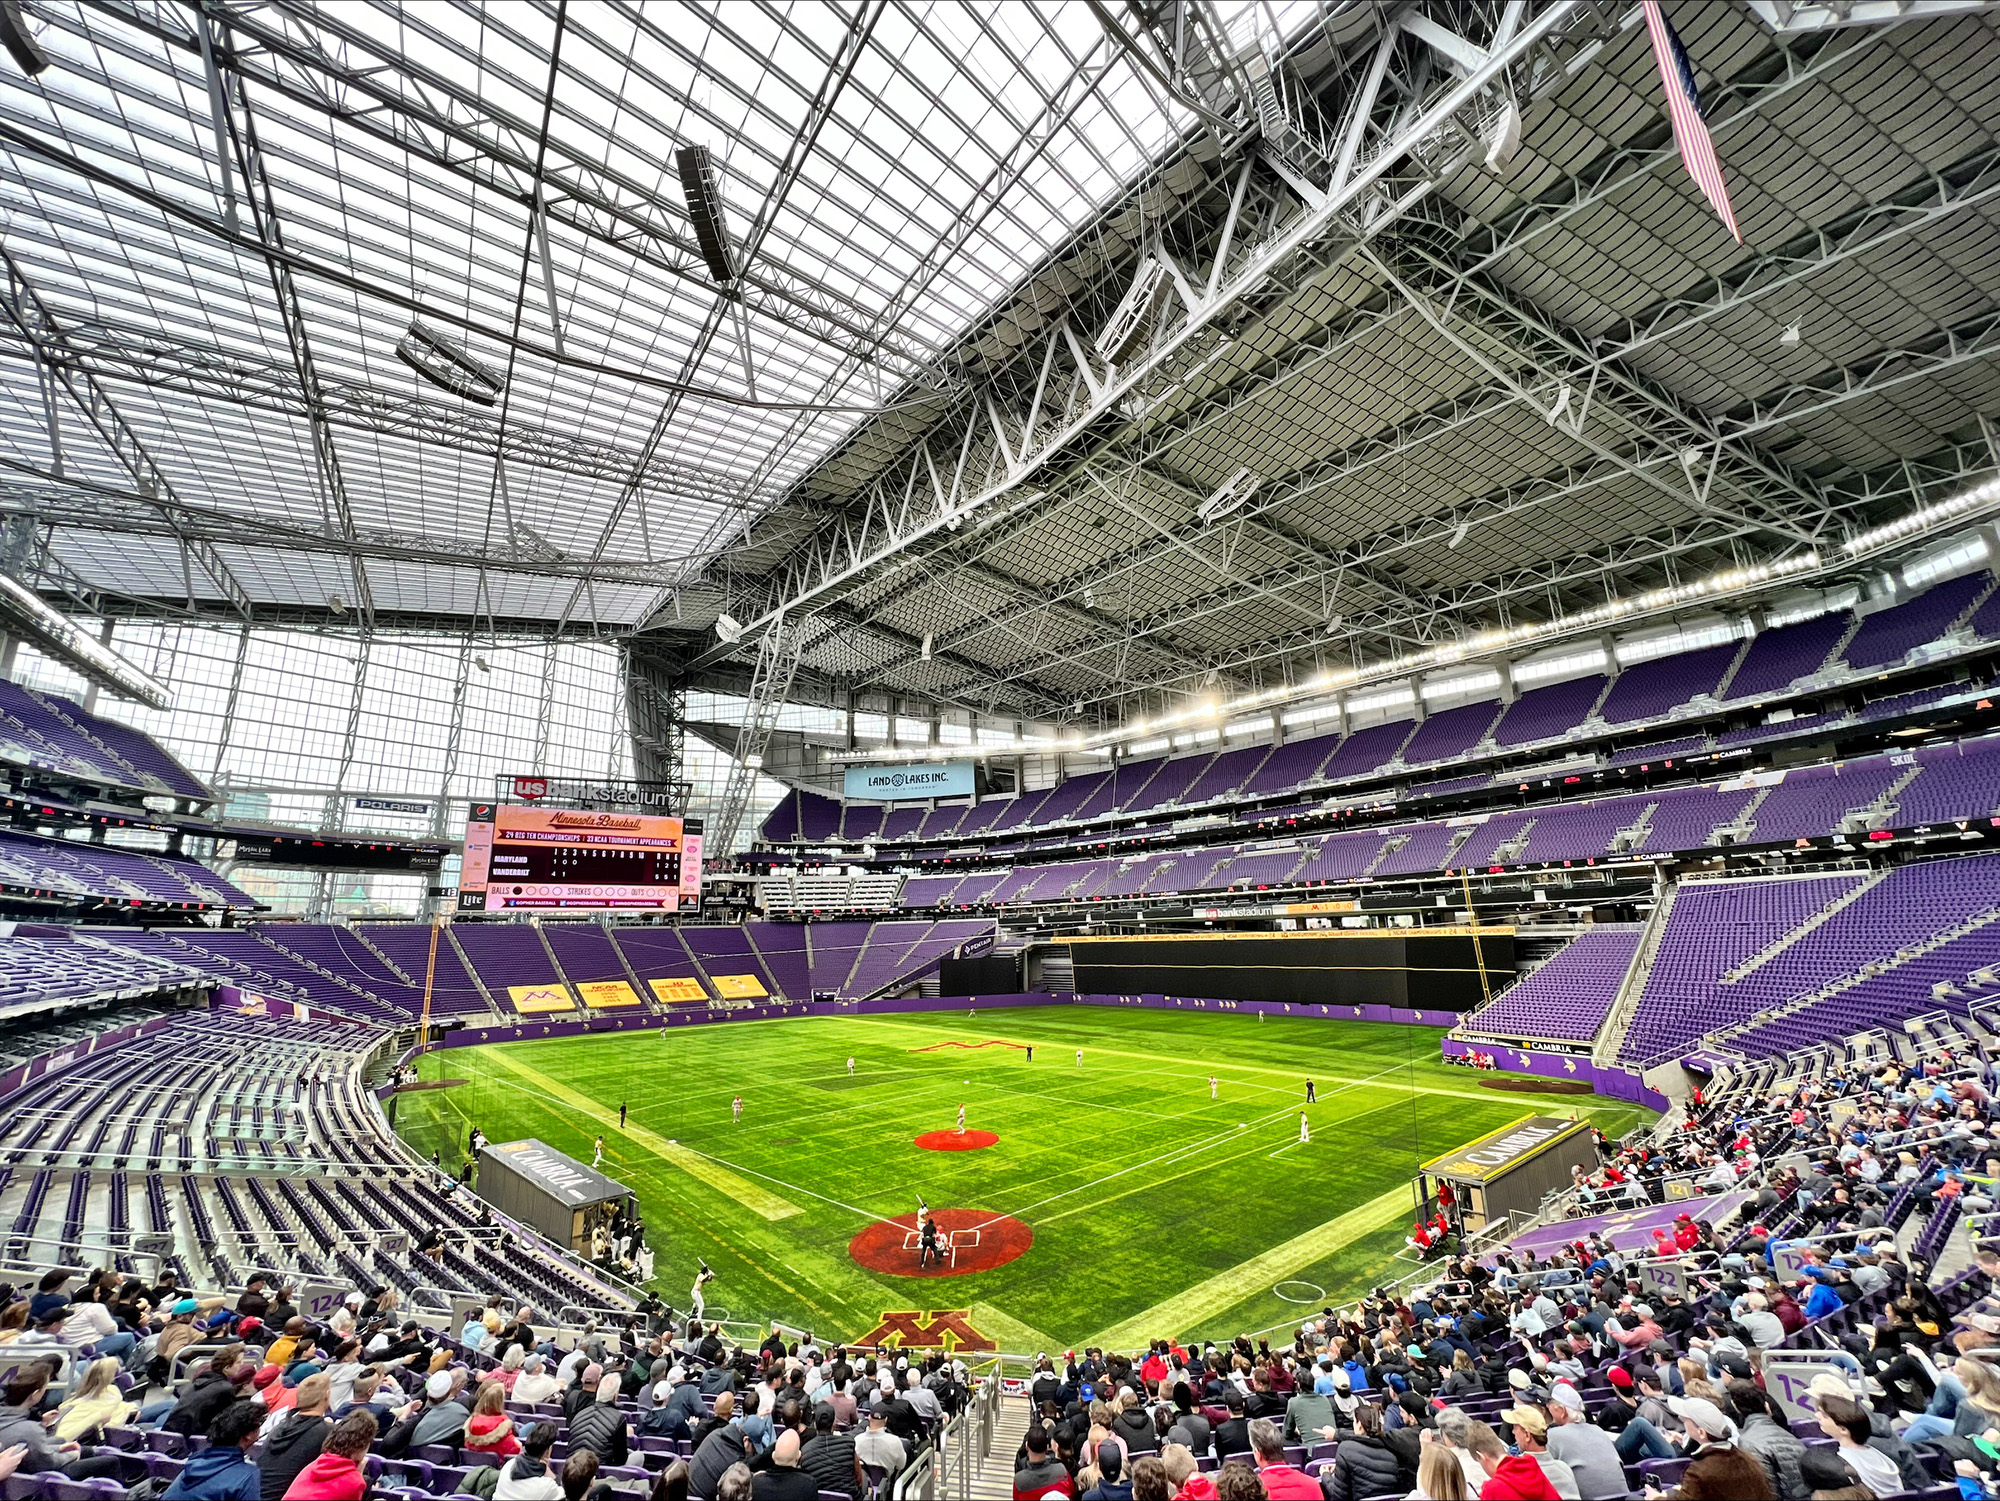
(518, 858)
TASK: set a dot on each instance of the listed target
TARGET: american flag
(1684, 109)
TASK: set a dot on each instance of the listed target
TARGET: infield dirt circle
(1001, 1239)
(956, 1141)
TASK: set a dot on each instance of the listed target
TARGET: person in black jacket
(210, 1391)
(830, 1459)
(295, 1442)
(1232, 1435)
(1365, 1464)
(600, 1427)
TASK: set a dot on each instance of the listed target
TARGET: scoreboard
(577, 859)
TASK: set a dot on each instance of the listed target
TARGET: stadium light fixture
(1924, 519)
(1716, 586)
(25, 612)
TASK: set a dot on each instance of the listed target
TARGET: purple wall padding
(1612, 1083)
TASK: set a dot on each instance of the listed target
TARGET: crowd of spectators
(276, 1407)
(1572, 1374)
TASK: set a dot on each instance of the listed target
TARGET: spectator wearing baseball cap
(1531, 1436)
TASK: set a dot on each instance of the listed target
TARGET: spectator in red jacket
(1281, 1481)
(490, 1430)
(1509, 1477)
(337, 1475)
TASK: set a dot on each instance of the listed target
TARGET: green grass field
(1155, 1210)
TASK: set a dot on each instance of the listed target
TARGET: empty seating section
(1167, 784)
(132, 748)
(1423, 849)
(1887, 636)
(1957, 781)
(861, 821)
(1225, 774)
(37, 970)
(657, 954)
(1345, 856)
(1292, 764)
(942, 823)
(1271, 869)
(1451, 733)
(1685, 818)
(585, 952)
(1544, 713)
(1568, 997)
(1780, 657)
(97, 872)
(1367, 750)
(1795, 725)
(1659, 750)
(1713, 927)
(1581, 831)
(1816, 799)
(504, 955)
(1149, 873)
(834, 946)
(1450, 784)
(245, 1142)
(1070, 795)
(782, 947)
(48, 730)
(409, 947)
(881, 961)
(900, 824)
(191, 1097)
(1652, 690)
(1659, 688)
(726, 952)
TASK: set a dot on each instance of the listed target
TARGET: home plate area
(972, 1240)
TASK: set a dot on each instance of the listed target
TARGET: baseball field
(1101, 1199)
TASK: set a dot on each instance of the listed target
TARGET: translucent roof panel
(505, 177)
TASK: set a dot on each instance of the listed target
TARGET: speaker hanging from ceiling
(703, 191)
(20, 44)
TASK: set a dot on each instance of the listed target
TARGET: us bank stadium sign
(666, 798)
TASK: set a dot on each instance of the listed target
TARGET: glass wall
(292, 726)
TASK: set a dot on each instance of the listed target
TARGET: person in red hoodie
(337, 1475)
(1509, 1477)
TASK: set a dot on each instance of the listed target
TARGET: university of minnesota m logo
(949, 1329)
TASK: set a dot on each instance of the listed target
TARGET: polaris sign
(895, 784)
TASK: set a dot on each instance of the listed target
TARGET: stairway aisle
(994, 1480)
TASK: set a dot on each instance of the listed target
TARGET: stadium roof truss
(1072, 358)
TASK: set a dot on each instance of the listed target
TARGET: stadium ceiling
(1065, 360)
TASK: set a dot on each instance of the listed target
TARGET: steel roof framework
(1467, 394)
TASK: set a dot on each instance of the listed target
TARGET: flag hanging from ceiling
(1684, 109)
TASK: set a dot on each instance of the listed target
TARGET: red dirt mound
(956, 1141)
(980, 1241)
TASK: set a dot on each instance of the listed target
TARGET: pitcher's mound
(973, 1240)
(956, 1141)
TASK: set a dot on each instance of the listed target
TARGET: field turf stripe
(1208, 1298)
(750, 1195)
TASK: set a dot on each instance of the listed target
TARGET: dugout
(1428, 969)
(1512, 1168)
(532, 1182)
